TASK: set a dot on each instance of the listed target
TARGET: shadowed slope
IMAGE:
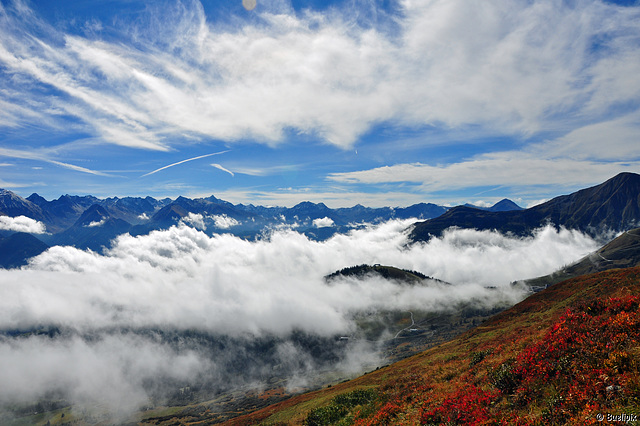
(612, 206)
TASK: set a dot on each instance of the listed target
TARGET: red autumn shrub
(468, 405)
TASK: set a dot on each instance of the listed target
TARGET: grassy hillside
(563, 356)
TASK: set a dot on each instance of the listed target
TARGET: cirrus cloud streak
(516, 68)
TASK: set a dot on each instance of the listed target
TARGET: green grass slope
(566, 355)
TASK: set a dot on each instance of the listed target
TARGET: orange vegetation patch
(273, 393)
(562, 356)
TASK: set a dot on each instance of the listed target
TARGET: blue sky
(344, 102)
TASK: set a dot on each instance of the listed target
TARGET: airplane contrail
(14, 153)
(184, 161)
(218, 166)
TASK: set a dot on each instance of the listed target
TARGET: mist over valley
(344, 212)
(180, 315)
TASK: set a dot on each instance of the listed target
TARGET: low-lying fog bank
(161, 312)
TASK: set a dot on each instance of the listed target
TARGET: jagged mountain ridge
(503, 205)
(600, 211)
(16, 248)
(14, 205)
(63, 212)
(605, 209)
(94, 229)
(89, 222)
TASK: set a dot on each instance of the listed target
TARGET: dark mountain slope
(14, 205)
(63, 212)
(420, 210)
(211, 206)
(504, 206)
(613, 205)
(91, 216)
(17, 248)
(169, 215)
(93, 230)
(308, 210)
(358, 213)
(131, 209)
(470, 217)
(387, 272)
(610, 207)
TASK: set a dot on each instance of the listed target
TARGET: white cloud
(512, 167)
(586, 155)
(34, 155)
(22, 224)
(260, 170)
(322, 223)
(516, 68)
(536, 202)
(109, 370)
(482, 203)
(608, 140)
(183, 278)
(5, 184)
(200, 221)
(219, 167)
(196, 220)
(232, 289)
(223, 221)
(96, 223)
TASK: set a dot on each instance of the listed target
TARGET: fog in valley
(177, 309)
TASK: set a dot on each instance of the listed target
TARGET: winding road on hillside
(406, 328)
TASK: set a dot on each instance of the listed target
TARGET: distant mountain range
(89, 222)
(601, 211)
(503, 205)
(143, 214)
